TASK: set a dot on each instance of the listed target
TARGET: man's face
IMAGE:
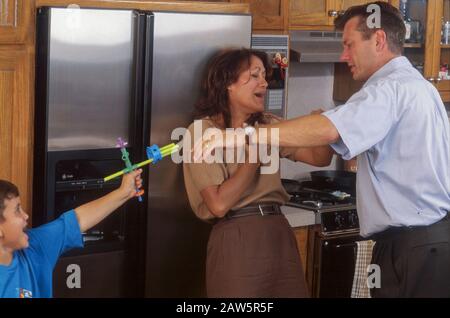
(359, 54)
(12, 227)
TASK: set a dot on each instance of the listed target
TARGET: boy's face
(12, 235)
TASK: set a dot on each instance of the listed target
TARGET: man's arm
(316, 156)
(305, 131)
(93, 212)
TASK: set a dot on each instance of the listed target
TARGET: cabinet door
(267, 14)
(319, 12)
(15, 20)
(16, 119)
(443, 81)
(345, 4)
(310, 12)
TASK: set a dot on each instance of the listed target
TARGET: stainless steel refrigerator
(103, 74)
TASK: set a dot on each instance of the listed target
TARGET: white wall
(310, 87)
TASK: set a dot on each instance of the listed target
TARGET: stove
(331, 242)
(335, 209)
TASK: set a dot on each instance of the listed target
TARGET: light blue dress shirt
(398, 128)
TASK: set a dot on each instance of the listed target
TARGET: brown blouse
(265, 188)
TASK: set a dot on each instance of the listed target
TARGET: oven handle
(346, 245)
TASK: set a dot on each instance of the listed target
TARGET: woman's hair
(7, 191)
(222, 71)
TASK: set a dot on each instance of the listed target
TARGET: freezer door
(176, 241)
(90, 72)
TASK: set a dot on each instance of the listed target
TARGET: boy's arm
(93, 212)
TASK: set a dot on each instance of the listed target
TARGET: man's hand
(204, 147)
(317, 111)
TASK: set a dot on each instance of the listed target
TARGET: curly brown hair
(223, 70)
(7, 191)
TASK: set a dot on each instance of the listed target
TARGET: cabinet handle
(333, 13)
(342, 12)
(431, 79)
(438, 79)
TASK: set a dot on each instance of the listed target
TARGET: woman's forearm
(220, 199)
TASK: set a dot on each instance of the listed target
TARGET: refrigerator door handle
(137, 111)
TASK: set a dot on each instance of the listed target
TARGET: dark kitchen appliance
(332, 240)
(103, 74)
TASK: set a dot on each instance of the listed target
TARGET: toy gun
(154, 154)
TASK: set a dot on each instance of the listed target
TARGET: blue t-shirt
(30, 273)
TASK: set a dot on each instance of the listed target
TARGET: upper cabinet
(310, 12)
(268, 14)
(15, 17)
(307, 14)
(440, 68)
(426, 44)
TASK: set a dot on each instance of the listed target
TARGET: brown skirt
(254, 256)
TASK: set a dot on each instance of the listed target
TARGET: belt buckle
(260, 210)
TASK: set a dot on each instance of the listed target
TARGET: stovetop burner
(335, 208)
(307, 194)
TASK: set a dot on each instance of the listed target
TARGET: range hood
(315, 46)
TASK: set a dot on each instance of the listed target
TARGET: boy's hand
(130, 183)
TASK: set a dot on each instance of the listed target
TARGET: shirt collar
(389, 67)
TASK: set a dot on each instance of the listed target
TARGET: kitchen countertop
(298, 217)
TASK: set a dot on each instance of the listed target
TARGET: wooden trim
(445, 95)
(285, 13)
(433, 35)
(177, 6)
(444, 89)
(413, 45)
(312, 27)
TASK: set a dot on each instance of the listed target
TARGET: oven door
(334, 265)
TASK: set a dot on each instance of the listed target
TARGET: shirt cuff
(340, 146)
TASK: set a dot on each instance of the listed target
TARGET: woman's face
(248, 92)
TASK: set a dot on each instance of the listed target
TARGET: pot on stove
(335, 179)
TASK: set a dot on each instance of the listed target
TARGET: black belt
(259, 209)
(395, 231)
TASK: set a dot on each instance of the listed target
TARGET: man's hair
(391, 23)
(7, 191)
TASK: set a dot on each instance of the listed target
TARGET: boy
(27, 259)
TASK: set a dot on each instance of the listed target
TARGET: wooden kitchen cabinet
(318, 14)
(427, 54)
(301, 236)
(440, 51)
(16, 94)
(268, 14)
(16, 119)
(15, 20)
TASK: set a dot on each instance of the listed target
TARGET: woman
(252, 251)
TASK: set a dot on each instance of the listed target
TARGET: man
(397, 127)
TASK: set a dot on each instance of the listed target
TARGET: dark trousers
(254, 257)
(413, 261)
